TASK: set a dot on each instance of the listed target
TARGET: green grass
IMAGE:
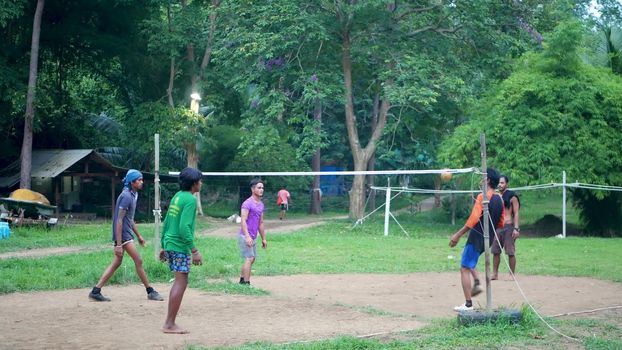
(320, 250)
(61, 236)
(338, 247)
(448, 334)
(536, 204)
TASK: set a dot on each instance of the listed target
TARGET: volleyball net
(390, 197)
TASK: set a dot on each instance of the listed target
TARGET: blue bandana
(132, 175)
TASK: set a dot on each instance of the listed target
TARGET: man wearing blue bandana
(123, 230)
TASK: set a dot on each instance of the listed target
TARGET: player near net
(251, 225)
(474, 246)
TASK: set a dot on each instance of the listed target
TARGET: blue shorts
(178, 262)
(470, 255)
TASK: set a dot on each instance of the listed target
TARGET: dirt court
(299, 308)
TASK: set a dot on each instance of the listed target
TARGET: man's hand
(162, 255)
(197, 259)
(454, 240)
(249, 241)
(118, 251)
(515, 233)
(142, 241)
(264, 243)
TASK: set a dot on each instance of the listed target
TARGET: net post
(564, 204)
(387, 207)
(156, 186)
(485, 200)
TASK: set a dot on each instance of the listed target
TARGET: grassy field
(320, 250)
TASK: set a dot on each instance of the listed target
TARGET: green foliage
(539, 121)
(11, 10)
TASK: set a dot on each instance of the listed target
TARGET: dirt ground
(299, 308)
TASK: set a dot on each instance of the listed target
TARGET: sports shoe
(98, 297)
(154, 296)
(476, 290)
(463, 307)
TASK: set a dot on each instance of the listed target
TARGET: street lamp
(194, 103)
(193, 157)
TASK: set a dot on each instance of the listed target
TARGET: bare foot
(493, 277)
(175, 329)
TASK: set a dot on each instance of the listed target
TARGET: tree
(548, 116)
(360, 52)
(26, 157)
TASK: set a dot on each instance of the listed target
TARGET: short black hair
(188, 177)
(506, 178)
(254, 182)
(493, 177)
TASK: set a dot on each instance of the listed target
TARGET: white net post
(156, 207)
(564, 204)
(485, 201)
(387, 208)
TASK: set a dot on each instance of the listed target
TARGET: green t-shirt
(178, 231)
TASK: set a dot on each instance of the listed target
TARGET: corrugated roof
(45, 163)
(50, 163)
(53, 162)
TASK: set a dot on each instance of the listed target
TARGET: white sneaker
(463, 307)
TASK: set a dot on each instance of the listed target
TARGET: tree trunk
(316, 198)
(371, 165)
(171, 81)
(193, 162)
(171, 75)
(437, 196)
(26, 162)
(207, 55)
(360, 155)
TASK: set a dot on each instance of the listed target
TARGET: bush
(601, 216)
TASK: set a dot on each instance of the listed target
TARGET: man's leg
(246, 269)
(95, 293)
(476, 290)
(465, 276)
(114, 265)
(495, 249)
(174, 302)
(510, 250)
(495, 266)
(131, 250)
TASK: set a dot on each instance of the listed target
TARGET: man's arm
(476, 212)
(456, 236)
(515, 217)
(262, 233)
(118, 233)
(247, 236)
(141, 240)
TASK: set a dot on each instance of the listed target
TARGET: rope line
(326, 173)
(589, 311)
(520, 289)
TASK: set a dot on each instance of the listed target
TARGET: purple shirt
(255, 211)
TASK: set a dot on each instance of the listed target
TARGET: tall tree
(550, 111)
(26, 156)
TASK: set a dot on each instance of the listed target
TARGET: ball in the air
(446, 176)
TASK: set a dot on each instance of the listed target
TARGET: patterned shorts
(178, 262)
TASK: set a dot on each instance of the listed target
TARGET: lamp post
(193, 157)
